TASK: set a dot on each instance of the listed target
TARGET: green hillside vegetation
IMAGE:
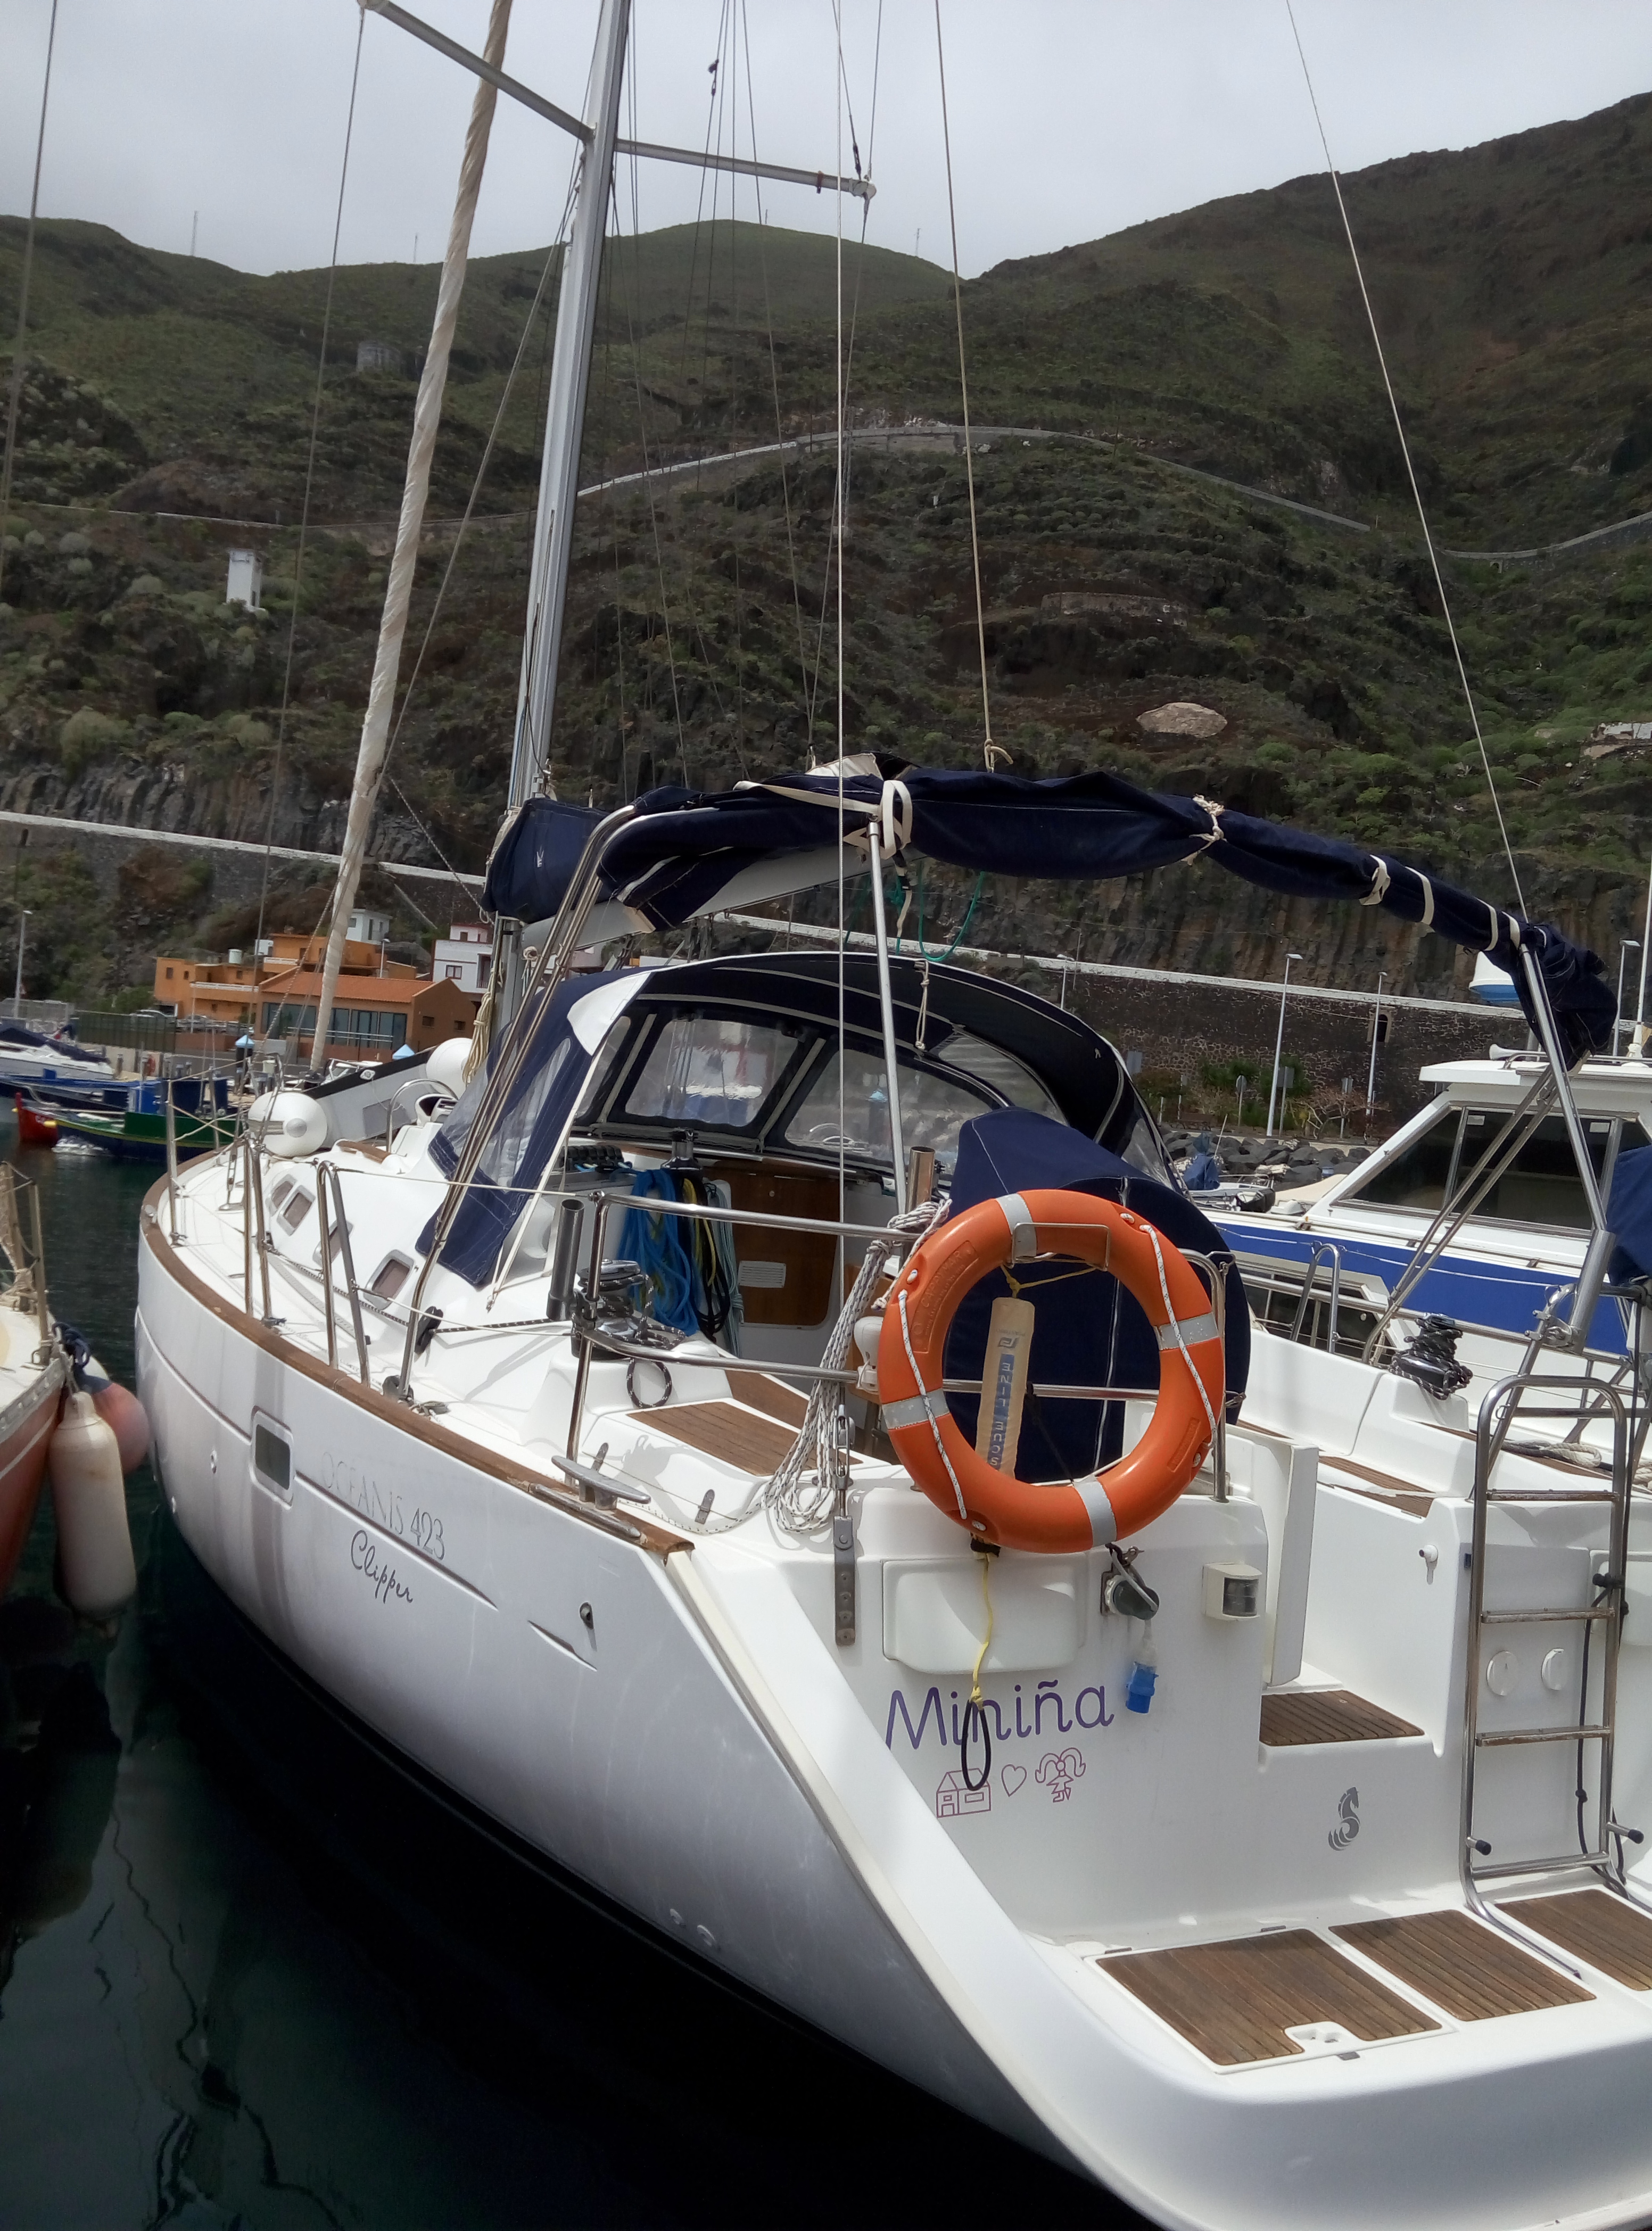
(1509, 281)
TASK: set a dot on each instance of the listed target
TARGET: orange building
(380, 1004)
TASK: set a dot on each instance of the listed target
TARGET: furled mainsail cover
(684, 846)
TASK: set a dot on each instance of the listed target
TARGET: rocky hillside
(1508, 279)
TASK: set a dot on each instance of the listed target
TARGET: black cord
(974, 1711)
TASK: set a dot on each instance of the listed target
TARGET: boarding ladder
(1601, 1620)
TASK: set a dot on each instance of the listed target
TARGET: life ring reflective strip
(1069, 1514)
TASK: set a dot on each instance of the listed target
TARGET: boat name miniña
(1048, 1692)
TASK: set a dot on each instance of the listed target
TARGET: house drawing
(956, 1797)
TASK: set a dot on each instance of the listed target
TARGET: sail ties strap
(889, 819)
(1211, 836)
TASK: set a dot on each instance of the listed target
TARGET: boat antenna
(1405, 451)
(15, 397)
(994, 754)
(392, 627)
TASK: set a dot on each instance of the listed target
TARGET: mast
(576, 316)
(392, 628)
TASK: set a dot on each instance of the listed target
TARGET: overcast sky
(1069, 118)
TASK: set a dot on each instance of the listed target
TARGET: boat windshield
(711, 1071)
(1541, 1186)
(847, 1106)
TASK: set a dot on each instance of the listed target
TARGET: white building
(367, 927)
(465, 955)
(246, 582)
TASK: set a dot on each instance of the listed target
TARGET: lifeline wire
(1411, 470)
(992, 753)
(304, 516)
(23, 298)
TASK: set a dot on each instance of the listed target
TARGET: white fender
(289, 1122)
(89, 1496)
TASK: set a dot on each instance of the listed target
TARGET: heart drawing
(1011, 1779)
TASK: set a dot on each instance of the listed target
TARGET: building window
(169, 975)
(455, 969)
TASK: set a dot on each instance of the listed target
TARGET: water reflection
(252, 1973)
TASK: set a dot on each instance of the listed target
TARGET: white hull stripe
(1023, 1233)
(1103, 1526)
(1188, 1332)
(914, 1411)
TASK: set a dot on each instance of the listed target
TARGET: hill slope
(1510, 281)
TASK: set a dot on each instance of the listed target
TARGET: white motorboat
(1473, 1211)
(29, 1057)
(1220, 1771)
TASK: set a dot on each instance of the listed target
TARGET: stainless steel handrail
(1316, 1254)
(347, 1260)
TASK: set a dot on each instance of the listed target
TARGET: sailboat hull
(443, 1607)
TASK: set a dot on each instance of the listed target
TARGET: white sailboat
(1202, 1808)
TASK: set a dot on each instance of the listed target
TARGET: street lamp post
(1370, 1077)
(23, 913)
(1279, 1043)
(1629, 945)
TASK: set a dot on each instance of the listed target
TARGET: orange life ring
(1069, 1514)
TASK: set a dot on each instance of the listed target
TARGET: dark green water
(252, 1974)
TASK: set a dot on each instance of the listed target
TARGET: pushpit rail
(1601, 1616)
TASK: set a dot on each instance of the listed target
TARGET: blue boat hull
(1473, 1289)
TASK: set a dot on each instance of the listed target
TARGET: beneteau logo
(1341, 1837)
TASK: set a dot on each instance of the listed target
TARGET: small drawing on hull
(1341, 1837)
(1057, 1772)
(1010, 1779)
(955, 1797)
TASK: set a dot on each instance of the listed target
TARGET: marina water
(253, 1973)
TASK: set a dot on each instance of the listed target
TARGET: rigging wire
(18, 352)
(991, 752)
(875, 863)
(775, 386)
(847, 367)
(1405, 451)
(304, 516)
(633, 321)
(481, 468)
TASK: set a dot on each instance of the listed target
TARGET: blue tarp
(684, 847)
(1089, 1332)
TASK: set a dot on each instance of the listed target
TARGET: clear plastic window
(1541, 1186)
(703, 1070)
(1010, 1078)
(1419, 1177)
(932, 1110)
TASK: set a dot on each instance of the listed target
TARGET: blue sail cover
(684, 847)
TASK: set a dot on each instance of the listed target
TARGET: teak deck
(1459, 1964)
(725, 1431)
(759, 1392)
(1593, 1926)
(1235, 2002)
(1327, 1716)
